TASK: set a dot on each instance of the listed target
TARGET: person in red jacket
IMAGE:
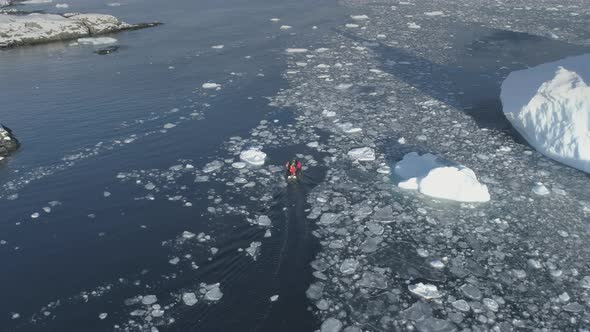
(293, 168)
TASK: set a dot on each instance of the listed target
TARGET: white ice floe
(434, 13)
(425, 291)
(434, 177)
(188, 235)
(253, 157)
(97, 40)
(359, 17)
(36, 1)
(351, 25)
(213, 292)
(189, 299)
(169, 126)
(540, 189)
(413, 25)
(62, 5)
(149, 299)
(217, 47)
(103, 315)
(210, 85)
(549, 105)
(275, 19)
(274, 298)
(285, 27)
(362, 154)
(296, 50)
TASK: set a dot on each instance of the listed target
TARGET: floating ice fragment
(285, 27)
(461, 305)
(62, 5)
(471, 291)
(169, 126)
(426, 291)
(15, 315)
(188, 235)
(573, 307)
(35, 215)
(254, 249)
(174, 261)
(149, 299)
(214, 294)
(328, 114)
(253, 157)
(263, 220)
(331, 325)
(343, 86)
(428, 174)
(150, 186)
(351, 25)
(437, 264)
(359, 17)
(274, 298)
(491, 304)
(211, 85)
(434, 13)
(212, 166)
(97, 40)
(238, 165)
(413, 25)
(362, 154)
(217, 47)
(432, 324)
(106, 194)
(296, 50)
(585, 283)
(103, 315)
(328, 218)
(540, 189)
(274, 19)
(349, 266)
(189, 299)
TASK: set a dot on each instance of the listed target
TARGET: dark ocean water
(65, 100)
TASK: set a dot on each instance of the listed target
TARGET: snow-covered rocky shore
(8, 143)
(36, 28)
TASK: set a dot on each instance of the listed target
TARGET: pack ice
(433, 176)
(253, 157)
(549, 105)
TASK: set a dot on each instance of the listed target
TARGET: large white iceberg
(435, 177)
(549, 105)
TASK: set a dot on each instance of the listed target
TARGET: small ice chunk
(62, 5)
(426, 291)
(149, 299)
(210, 85)
(106, 194)
(97, 40)
(189, 299)
(174, 261)
(362, 154)
(253, 157)
(491, 304)
(103, 315)
(461, 305)
(331, 325)
(263, 220)
(254, 249)
(274, 298)
(238, 165)
(150, 186)
(413, 25)
(275, 19)
(359, 17)
(188, 235)
(15, 315)
(169, 126)
(434, 13)
(540, 189)
(212, 166)
(285, 27)
(471, 291)
(349, 266)
(296, 50)
(35, 215)
(328, 218)
(214, 294)
(217, 47)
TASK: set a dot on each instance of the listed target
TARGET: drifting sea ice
(429, 175)
(548, 105)
(97, 40)
(362, 154)
(211, 85)
(425, 291)
(253, 157)
(189, 299)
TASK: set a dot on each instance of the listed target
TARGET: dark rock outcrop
(8, 143)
